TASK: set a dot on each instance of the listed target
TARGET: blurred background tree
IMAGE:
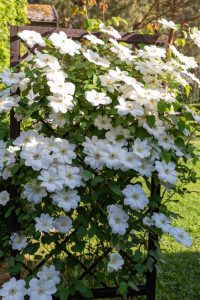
(12, 12)
(138, 13)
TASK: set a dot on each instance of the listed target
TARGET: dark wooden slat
(14, 46)
(95, 263)
(77, 34)
(112, 292)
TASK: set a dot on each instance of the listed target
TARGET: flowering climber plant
(100, 121)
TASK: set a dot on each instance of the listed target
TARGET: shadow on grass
(180, 277)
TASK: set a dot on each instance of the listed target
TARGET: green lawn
(180, 275)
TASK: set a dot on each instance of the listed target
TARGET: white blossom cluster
(42, 287)
(52, 157)
(114, 154)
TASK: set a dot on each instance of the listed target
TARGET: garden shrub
(12, 12)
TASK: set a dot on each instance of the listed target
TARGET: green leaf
(180, 142)
(9, 211)
(151, 120)
(47, 239)
(91, 24)
(166, 156)
(15, 169)
(19, 257)
(150, 263)
(79, 247)
(10, 261)
(58, 264)
(188, 90)
(87, 174)
(83, 289)
(81, 232)
(132, 129)
(16, 269)
(140, 268)
(31, 248)
(92, 231)
(96, 180)
(63, 293)
(122, 288)
(133, 285)
(115, 188)
(162, 106)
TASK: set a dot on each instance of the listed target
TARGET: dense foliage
(12, 12)
(102, 122)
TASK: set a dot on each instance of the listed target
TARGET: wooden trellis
(149, 289)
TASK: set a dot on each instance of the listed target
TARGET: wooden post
(14, 61)
(14, 124)
(153, 238)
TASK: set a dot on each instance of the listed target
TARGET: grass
(179, 278)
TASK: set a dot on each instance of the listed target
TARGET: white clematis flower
(44, 223)
(109, 30)
(32, 38)
(63, 224)
(96, 98)
(66, 199)
(161, 221)
(93, 39)
(96, 59)
(13, 290)
(41, 289)
(168, 24)
(166, 171)
(51, 180)
(49, 274)
(33, 192)
(141, 148)
(129, 107)
(4, 198)
(117, 219)
(181, 236)
(103, 122)
(18, 242)
(135, 197)
(115, 263)
(64, 44)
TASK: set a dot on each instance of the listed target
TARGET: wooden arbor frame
(149, 289)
